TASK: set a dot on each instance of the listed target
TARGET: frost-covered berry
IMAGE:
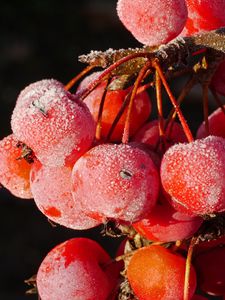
(153, 22)
(53, 123)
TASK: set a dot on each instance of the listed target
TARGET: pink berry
(153, 22)
(51, 188)
(53, 123)
(14, 170)
(116, 182)
(194, 175)
(76, 269)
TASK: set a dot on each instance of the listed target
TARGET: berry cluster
(97, 156)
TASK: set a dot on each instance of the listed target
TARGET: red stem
(186, 128)
(99, 120)
(205, 107)
(73, 81)
(140, 77)
(82, 94)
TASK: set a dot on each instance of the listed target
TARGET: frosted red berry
(194, 175)
(116, 182)
(53, 123)
(75, 269)
(204, 15)
(153, 22)
(51, 189)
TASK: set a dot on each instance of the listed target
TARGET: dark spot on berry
(125, 174)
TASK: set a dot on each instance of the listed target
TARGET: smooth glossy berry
(155, 273)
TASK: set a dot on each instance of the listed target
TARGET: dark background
(42, 39)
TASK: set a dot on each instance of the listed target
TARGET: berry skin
(216, 125)
(194, 175)
(113, 102)
(14, 171)
(165, 224)
(123, 181)
(51, 188)
(149, 134)
(153, 22)
(155, 273)
(53, 123)
(204, 15)
(218, 80)
(210, 267)
(76, 269)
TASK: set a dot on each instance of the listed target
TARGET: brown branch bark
(176, 52)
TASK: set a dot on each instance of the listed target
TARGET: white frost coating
(123, 181)
(51, 121)
(69, 272)
(194, 174)
(51, 188)
(153, 22)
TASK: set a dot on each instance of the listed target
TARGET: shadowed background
(42, 39)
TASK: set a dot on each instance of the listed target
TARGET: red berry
(112, 105)
(218, 80)
(165, 224)
(149, 134)
(194, 175)
(115, 181)
(210, 267)
(51, 188)
(204, 15)
(14, 170)
(216, 125)
(155, 273)
(53, 123)
(75, 269)
(153, 22)
(198, 297)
